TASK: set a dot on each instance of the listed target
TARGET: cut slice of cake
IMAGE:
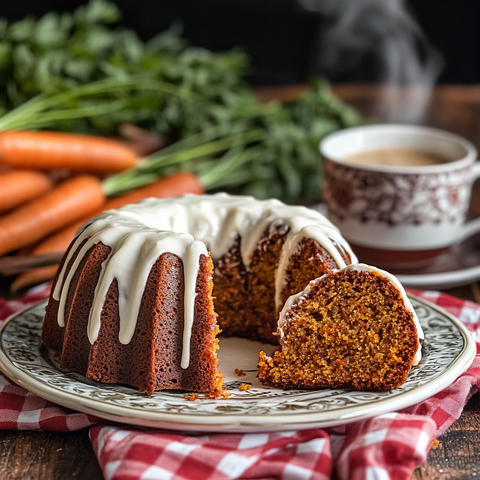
(354, 328)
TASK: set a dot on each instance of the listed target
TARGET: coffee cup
(405, 214)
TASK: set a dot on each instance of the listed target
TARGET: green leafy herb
(83, 72)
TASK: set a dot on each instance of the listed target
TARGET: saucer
(460, 265)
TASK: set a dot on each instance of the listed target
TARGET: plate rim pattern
(218, 418)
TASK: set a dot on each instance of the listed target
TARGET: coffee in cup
(399, 194)
(395, 157)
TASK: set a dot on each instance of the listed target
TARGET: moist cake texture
(353, 328)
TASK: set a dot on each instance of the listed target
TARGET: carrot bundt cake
(352, 328)
(132, 301)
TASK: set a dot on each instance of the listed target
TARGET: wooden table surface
(50, 455)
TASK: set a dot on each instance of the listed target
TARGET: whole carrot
(20, 186)
(69, 201)
(44, 150)
(33, 277)
(172, 186)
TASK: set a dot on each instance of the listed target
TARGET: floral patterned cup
(401, 216)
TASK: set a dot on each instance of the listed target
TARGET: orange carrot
(171, 186)
(69, 201)
(20, 186)
(42, 150)
(33, 277)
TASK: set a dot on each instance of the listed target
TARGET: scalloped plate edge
(253, 423)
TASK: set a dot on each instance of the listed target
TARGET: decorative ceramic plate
(450, 350)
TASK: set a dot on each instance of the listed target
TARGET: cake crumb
(218, 394)
(435, 443)
(191, 398)
(225, 393)
(240, 372)
(244, 387)
(214, 395)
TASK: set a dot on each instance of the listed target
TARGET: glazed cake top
(189, 226)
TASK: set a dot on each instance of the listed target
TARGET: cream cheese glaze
(189, 226)
(359, 267)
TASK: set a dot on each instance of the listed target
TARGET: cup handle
(476, 170)
(472, 227)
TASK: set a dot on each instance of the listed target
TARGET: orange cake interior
(353, 328)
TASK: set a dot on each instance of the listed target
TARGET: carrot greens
(83, 72)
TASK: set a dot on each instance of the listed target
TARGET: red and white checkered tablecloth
(389, 446)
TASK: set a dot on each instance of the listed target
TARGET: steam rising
(405, 62)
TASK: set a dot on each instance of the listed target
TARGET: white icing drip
(298, 298)
(190, 267)
(62, 287)
(138, 234)
(134, 251)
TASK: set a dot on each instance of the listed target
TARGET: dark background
(281, 36)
